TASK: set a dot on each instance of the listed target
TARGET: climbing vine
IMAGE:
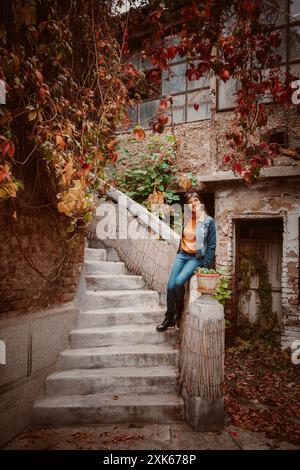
(152, 176)
(227, 39)
(69, 84)
(66, 94)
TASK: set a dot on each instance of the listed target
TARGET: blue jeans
(182, 270)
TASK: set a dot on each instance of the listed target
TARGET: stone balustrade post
(202, 361)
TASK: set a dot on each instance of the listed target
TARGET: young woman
(197, 249)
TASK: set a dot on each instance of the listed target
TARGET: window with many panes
(287, 22)
(191, 98)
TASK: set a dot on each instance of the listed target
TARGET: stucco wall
(33, 343)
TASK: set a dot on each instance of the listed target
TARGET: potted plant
(212, 281)
(207, 280)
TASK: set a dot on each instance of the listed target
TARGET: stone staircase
(118, 368)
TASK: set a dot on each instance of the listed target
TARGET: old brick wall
(42, 236)
(203, 143)
(273, 197)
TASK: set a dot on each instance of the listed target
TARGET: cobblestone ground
(176, 436)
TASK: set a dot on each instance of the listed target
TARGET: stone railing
(152, 253)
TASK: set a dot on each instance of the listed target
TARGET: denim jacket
(206, 241)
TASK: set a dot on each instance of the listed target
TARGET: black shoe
(168, 322)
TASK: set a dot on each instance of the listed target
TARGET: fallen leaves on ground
(126, 437)
(262, 391)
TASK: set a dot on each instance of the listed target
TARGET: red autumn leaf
(274, 148)
(248, 176)
(208, 13)
(44, 91)
(114, 157)
(154, 76)
(163, 103)
(39, 76)
(4, 174)
(162, 119)
(86, 166)
(171, 52)
(159, 59)
(111, 145)
(60, 142)
(192, 74)
(130, 69)
(139, 133)
(238, 137)
(224, 75)
(275, 39)
(226, 158)
(237, 167)
(8, 149)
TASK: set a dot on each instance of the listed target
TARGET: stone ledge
(271, 172)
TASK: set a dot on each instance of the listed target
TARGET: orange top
(188, 242)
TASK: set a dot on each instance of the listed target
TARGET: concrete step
(121, 316)
(120, 298)
(142, 355)
(104, 409)
(95, 254)
(113, 380)
(114, 281)
(121, 335)
(100, 267)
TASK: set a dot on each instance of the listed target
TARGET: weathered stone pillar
(202, 364)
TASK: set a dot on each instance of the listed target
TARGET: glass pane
(132, 114)
(295, 10)
(294, 43)
(201, 98)
(134, 59)
(201, 83)
(147, 111)
(295, 70)
(146, 63)
(178, 109)
(226, 97)
(229, 21)
(282, 49)
(174, 81)
(276, 16)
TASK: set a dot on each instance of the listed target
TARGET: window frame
(286, 63)
(187, 91)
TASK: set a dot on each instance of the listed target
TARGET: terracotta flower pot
(207, 283)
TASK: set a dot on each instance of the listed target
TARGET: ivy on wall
(266, 325)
